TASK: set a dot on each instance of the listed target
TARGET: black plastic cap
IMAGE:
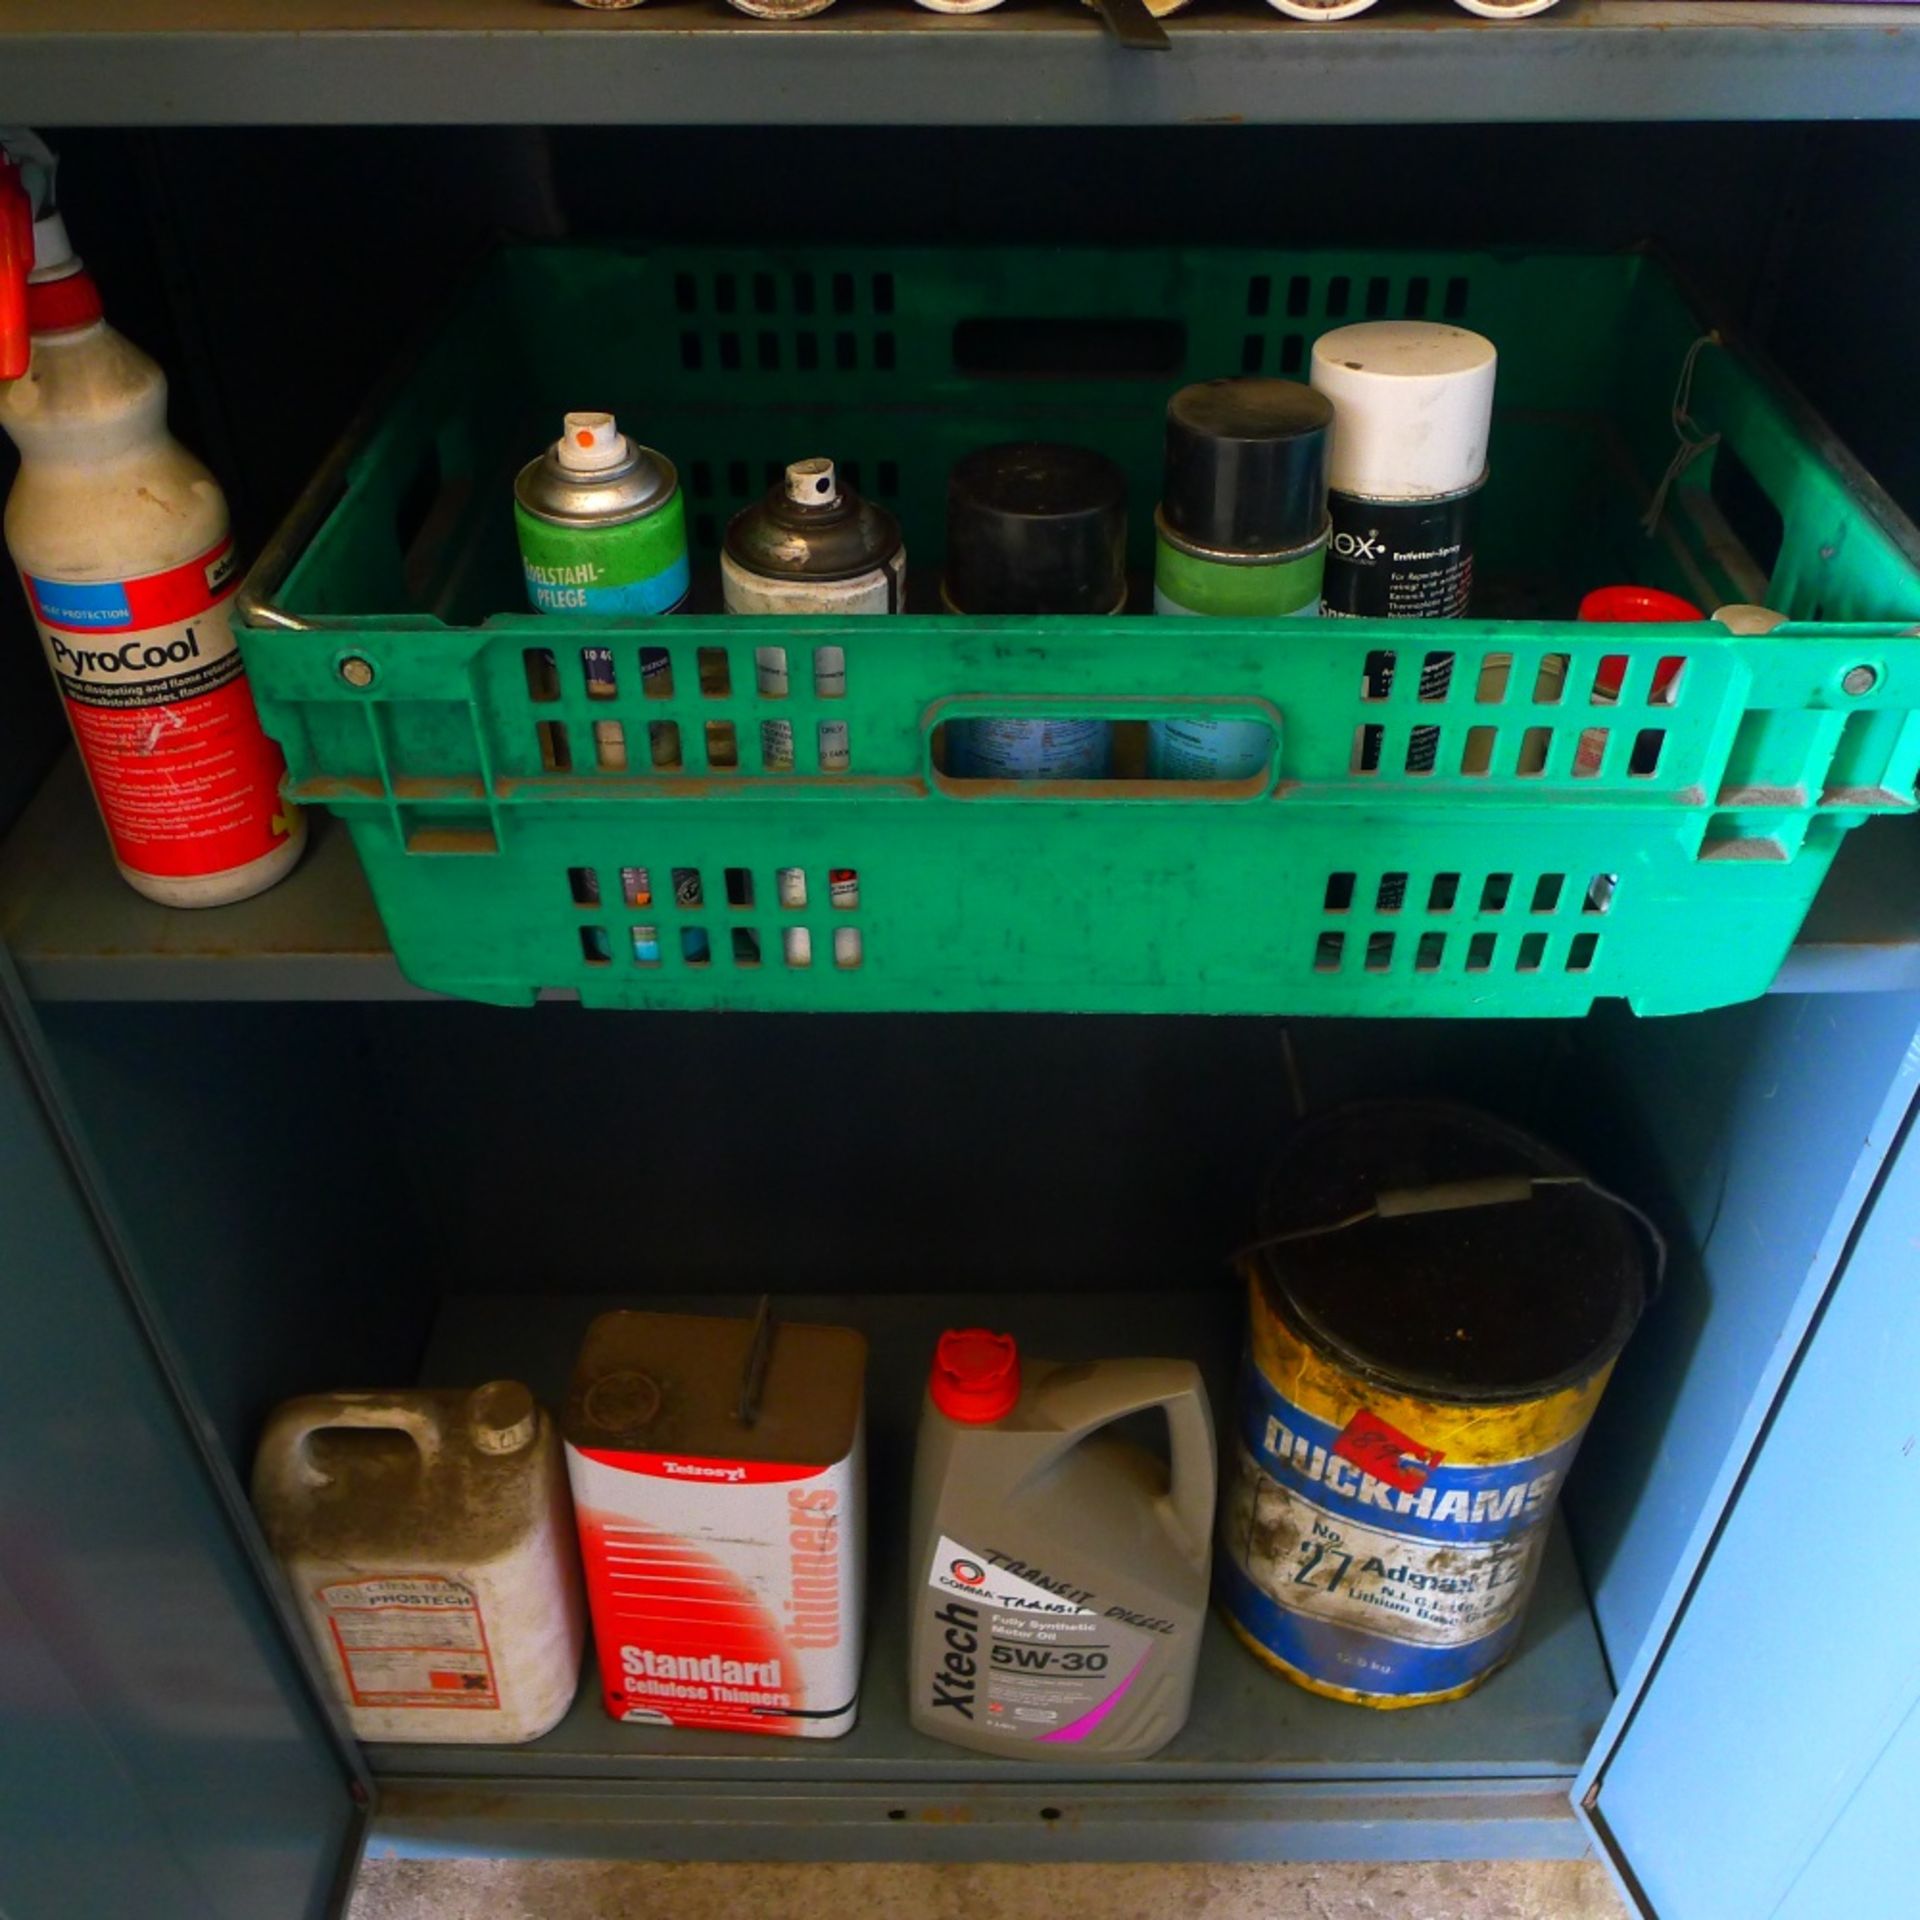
(1036, 528)
(1247, 464)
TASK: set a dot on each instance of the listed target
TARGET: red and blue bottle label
(186, 781)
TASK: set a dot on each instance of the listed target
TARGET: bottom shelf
(1261, 1770)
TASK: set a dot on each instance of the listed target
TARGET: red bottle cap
(1646, 606)
(58, 306)
(976, 1375)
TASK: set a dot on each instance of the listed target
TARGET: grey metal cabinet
(239, 1157)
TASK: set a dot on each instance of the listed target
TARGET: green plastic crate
(1322, 888)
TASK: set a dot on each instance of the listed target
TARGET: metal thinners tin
(1435, 1305)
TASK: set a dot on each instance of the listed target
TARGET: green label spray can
(1241, 533)
(602, 525)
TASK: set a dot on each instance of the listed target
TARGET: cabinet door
(160, 1752)
(1769, 1765)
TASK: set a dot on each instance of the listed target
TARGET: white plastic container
(428, 1538)
(123, 539)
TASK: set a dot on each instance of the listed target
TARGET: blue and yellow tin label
(1379, 1547)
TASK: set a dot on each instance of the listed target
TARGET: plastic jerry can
(428, 1539)
(1059, 1577)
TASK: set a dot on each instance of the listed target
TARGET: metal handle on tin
(1452, 1196)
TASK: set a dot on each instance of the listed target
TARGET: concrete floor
(601, 1890)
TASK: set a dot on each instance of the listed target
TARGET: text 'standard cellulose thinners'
(719, 1479)
(1436, 1301)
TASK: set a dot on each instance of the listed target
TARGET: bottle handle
(16, 262)
(1095, 1397)
(286, 1451)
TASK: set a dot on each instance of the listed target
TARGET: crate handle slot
(1115, 707)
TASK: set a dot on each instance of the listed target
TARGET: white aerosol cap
(52, 250)
(591, 443)
(1412, 407)
(812, 483)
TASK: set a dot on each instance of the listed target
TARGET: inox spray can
(1241, 532)
(1413, 412)
(811, 546)
(602, 525)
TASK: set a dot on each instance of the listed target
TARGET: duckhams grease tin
(1417, 1383)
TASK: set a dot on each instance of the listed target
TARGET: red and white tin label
(187, 782)
(410, 1640)
(725, 1593)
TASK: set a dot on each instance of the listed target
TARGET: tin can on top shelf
(1435, 1304)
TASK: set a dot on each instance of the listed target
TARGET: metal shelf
(1492, 1767)
(884, 62)
(78, 932)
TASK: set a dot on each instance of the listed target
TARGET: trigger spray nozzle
(16, 262)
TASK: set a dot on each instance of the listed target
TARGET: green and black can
(1241, 534)
(602, 525)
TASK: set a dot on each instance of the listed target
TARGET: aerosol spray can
(603, 527)
(1241, 532)
(811, 546)
(1034, 528)
(1413, 408)
(1413, 411)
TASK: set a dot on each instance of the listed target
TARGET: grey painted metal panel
(1758, 1133)
(157, 1734)
(1112, 1820)
(1782, 1713)
(232, 62)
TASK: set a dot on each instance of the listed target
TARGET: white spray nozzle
(591, 443)
(812, 483)
(52, 250)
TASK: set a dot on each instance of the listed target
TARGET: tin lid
(1246, 466)
(1035, 527)
(1492, 1302)
(1412, 407)
(976, 1375)
(670, 1383)
(812, 527)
